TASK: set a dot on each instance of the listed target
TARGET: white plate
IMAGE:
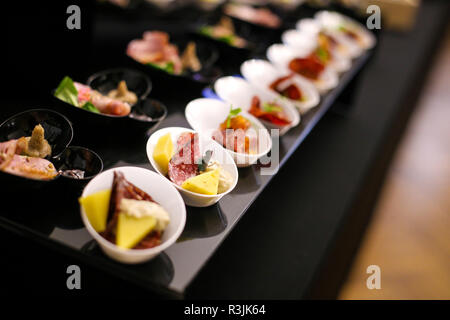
(240, 92)
(307, 42)
(205, 116)
(160, 190)
(331, 20)
(280, 55)
(205, 143)
(262, 74)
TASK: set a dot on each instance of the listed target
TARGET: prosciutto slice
(154, 47)
(103, 103)
(30, 167)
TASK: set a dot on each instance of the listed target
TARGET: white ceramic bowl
(240, 92)
(331, 20)
(205, 143)
(305, 41)
(346, 47)
(160, 190)
(205, 116)
(262, 74)
(281, 55)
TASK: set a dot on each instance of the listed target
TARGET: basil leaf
(90, 107)
(206, 30)
(269, 107)
(231, 114)
(322, 54)
(168, 67)
(67, 92)
(227, 39)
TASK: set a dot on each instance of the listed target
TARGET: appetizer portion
(125, 215)
(286, 88)
(224, 31)
(25, 156)
(262, 16)
(260, 103)
(269, 111)
(84, 97)
(347, 27)
(311, 66)
(318, 45)
(234, 133)
(284, 84)
(154, 49)
(187, 168)
(328, 38)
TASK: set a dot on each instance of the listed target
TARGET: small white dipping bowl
(240, 93)
(262, 74)
(304, 41)
(160, 190)
(219, 154)
(205, 116)
(281, 55)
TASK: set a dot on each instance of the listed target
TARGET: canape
(35, 151)
(302, 63)
(299, 91)
(201, 170)
(241, 134)
(181, 58)
(133, 213)
(350, 29)
(321, 46)
(345, 47)
(116, 97)
(273, 111)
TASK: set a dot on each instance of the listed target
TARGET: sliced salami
(184, 164)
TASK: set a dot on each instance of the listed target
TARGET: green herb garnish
(90, 107)
(231, 114)
(168, 67)
(322, 54)
(227, 39)
(208, 31)
(67, 92)
(203, 162)
(271, 107)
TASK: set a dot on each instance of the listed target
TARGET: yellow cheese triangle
(205, 183)
(163, 152)
(96, 208)
(131, 230)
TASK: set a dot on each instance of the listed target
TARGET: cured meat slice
(275, 114)
(309, 67)
(123, 189)
(30, 167)
(7, 151)
(184, 164)
(155, 48)
(103, 103)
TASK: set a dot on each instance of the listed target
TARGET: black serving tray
(172, 271)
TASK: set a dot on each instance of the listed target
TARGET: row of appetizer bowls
(131, 218)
